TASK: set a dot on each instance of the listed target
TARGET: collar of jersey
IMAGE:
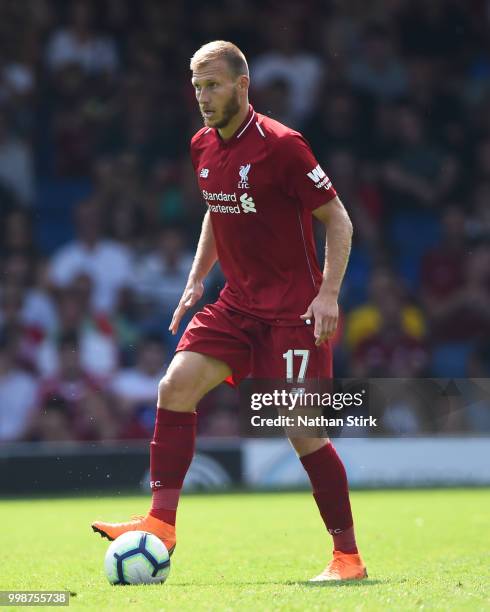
(242, 129)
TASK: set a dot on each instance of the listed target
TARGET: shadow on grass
(304, 583)
(341, 583)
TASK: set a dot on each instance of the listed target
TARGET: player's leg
(189, 377)
(330, 489)
(306, 446)
(213, 348)
(331, 492)
(317, 455)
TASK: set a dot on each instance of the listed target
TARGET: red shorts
(255, 348)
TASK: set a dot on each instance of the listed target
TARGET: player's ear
(243, 82)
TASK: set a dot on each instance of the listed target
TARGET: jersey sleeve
(301, 176)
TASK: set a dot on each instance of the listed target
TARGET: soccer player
(261, 184)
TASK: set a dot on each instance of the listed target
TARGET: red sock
(331, 492)
(171, 452)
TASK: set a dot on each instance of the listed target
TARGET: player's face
(217, 94)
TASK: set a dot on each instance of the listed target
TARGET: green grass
(424, 550)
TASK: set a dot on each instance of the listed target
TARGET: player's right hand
(192, 294)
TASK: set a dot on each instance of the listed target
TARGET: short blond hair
(220, 50)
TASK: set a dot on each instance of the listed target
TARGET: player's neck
(229, 130)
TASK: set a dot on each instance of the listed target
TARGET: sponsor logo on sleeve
(318, 176)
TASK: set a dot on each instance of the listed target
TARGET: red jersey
(261, 187)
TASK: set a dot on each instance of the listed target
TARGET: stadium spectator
(126, 325)
(70, 381)
(219, 413)
(158, 277)
(440, 30)
(222, 422)
(336, 123)
(391, 352)
(285, 59)
(98, 420)
(443, 266)
(11, 297)
(17, 233)
(79, 43)
(408, 408)
(98, 350)
(52, 422)
(39, 308)
(418, 175)
(24, 307)
(273, 98)
(433, 97)
(338, 39)
(362, 193)
(124, 228)
(74, 137)
(16, 165)
(18, 393)
(13, 321)
(118, 184)
(378, 71)
(382, 135)
(366, 321)
(106, 262)
(17, 80)
(134, 388)
(80, 390)
(464, 313)
(137, 127)
(165, 203)
(18, 268)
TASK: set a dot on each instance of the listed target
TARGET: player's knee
(164, 388)
(175, 393)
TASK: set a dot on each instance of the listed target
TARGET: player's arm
(205, 258)
(324, 308)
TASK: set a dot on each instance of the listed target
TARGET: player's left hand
(325, 312)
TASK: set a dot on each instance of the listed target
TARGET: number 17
(288, 356)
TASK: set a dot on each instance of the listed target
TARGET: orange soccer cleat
(343, 566)
(148, 523)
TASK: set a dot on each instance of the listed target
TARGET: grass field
(424, 550)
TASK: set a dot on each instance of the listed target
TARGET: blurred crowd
(101, 214)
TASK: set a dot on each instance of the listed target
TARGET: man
(106, 262)
(261, 184)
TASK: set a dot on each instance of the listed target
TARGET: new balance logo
(248, 204)
(204, 173)
(319, 177)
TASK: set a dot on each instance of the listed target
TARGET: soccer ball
(137, 557)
